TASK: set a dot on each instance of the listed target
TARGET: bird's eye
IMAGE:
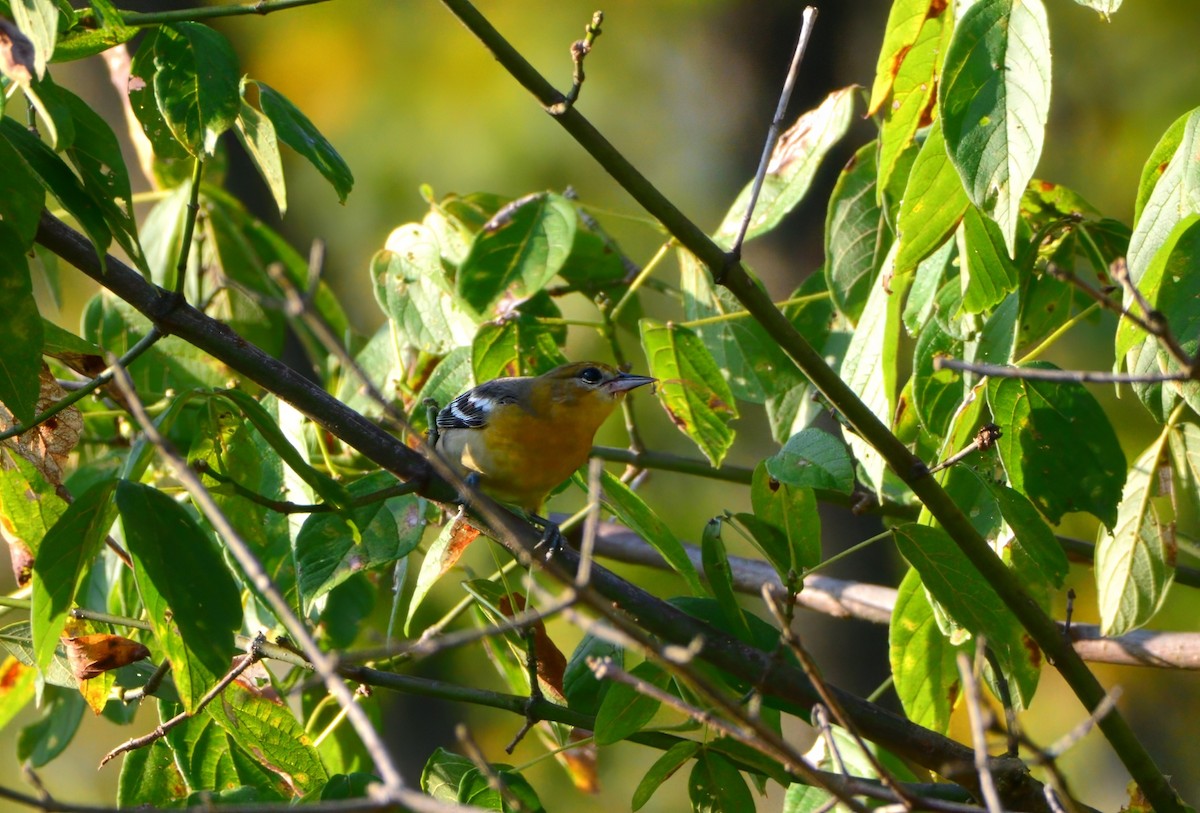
(591, 375)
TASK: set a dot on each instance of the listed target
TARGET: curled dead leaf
(93, 655)
(48, 444)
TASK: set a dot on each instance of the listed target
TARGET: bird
(519, 438)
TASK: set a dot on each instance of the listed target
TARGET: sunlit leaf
(690, 387)
(257, 136)
(987, 274)
(922, 658)
(196, 84)
(798, 153)
(933, 204)
(1135, 564)
(994, 99)
(856, 235)
(1174, 197)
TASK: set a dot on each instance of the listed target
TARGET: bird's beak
(628, 381)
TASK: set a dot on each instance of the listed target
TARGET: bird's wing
(471, 409)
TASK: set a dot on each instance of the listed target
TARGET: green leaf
(150, 777)
(205, 758)
(920, 306)
(794, 162)
(257, 135)
(196, 84)
(634, 514)
(994, 99)
(813, 458)
(856, 235)
(517, 252)
(520, 346)
(96, 154)
(21, 196)
(1185, 456)
(294, 129)
(924, 670)
(690, 387)
(663, 769)
(972, 602)
(583, 691)
(1159, 160)
(1135, 564)
(62, 561)
(716, 786)
(753, 363)
(17, 688)
(142, 71)
(42, 741)
(330, 490)
(60, 181)
(913, 67)
(451, 778)
(1037, 555)
(38, 20)
(792, 510)
(715, 561)
(327, 552)
(104, 30)
(936, 393)
(1175, 196)
(987, 274)
(20, 331)
(869, 367)
(411, 288)
(1058, 447)
(269, 731)
(625, 710)
(191, 598)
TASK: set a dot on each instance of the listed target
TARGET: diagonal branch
(912, 471)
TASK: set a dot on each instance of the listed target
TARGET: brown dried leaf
(16, 54)
(19, 552)
(551, 662)
(581, 762)
(48, 444)
(93, 655)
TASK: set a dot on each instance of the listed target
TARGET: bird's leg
(552, 539)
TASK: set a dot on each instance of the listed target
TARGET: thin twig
(1043, 374)
(535, 688)
(806, 25)
(579, 51)
(260, 8)
(984, 439)
(591, 522)
(987, 784)
(792, 641)
(252, 657)
(323, 665)
(872, 602)
(495, 781)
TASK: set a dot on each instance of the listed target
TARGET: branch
(606, 590)
(874, 603)
(1042, 374)
(728, 270)
(261, 8)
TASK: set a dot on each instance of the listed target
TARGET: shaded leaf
(625, 710)
(61, 564)
(663, 769)
(294, 129)
(194, 618)
(813, 458)
(1058, 447)
(716, 786)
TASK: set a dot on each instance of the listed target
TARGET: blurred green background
(686, 89)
